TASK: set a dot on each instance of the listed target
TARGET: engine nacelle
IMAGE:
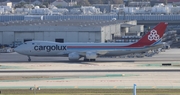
(91, 55)
(73, 56)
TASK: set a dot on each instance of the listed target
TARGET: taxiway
(58, 72)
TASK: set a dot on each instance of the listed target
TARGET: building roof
(77, 23)
(167, 0)
(163, 1)
(50, 1)
(127, 25)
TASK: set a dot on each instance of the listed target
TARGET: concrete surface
(14, 61)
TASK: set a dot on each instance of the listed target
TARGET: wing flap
(101, 52)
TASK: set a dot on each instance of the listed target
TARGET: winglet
(152, 36)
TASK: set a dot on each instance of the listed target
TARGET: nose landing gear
(29, 58)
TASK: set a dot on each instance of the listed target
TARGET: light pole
(134, 89)
(34, 89)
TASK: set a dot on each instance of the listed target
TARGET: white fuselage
(46, 48)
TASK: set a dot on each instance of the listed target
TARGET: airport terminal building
(64, 30)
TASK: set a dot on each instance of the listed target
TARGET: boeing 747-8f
(90, 51)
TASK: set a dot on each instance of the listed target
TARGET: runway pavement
(58, 72)
(88, 71)
(111, 80)
(169, 55)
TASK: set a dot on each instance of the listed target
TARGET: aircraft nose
(17, 49)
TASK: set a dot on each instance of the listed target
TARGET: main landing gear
(29, 58)
(89, 59)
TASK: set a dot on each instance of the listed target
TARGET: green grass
(91, 92)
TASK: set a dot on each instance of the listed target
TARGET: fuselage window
(32, 43)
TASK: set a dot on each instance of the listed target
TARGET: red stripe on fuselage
(99, 47)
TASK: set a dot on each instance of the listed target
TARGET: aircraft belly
(123, 52)
(44, 53)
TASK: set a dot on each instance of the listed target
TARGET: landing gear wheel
(86, 59)
(92, 59)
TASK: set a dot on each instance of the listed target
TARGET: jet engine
(73, 56)
(91, 55)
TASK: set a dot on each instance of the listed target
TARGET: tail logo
(153, 35)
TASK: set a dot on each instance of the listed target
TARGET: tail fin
(152, 36)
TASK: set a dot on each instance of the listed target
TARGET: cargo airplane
(90, 51)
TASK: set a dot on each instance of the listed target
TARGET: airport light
(134, 89)
(34, 89)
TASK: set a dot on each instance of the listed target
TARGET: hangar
(62, 30)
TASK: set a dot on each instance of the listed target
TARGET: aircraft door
(32, 49)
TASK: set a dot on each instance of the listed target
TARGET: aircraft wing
(99, 52)
(83, 53)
